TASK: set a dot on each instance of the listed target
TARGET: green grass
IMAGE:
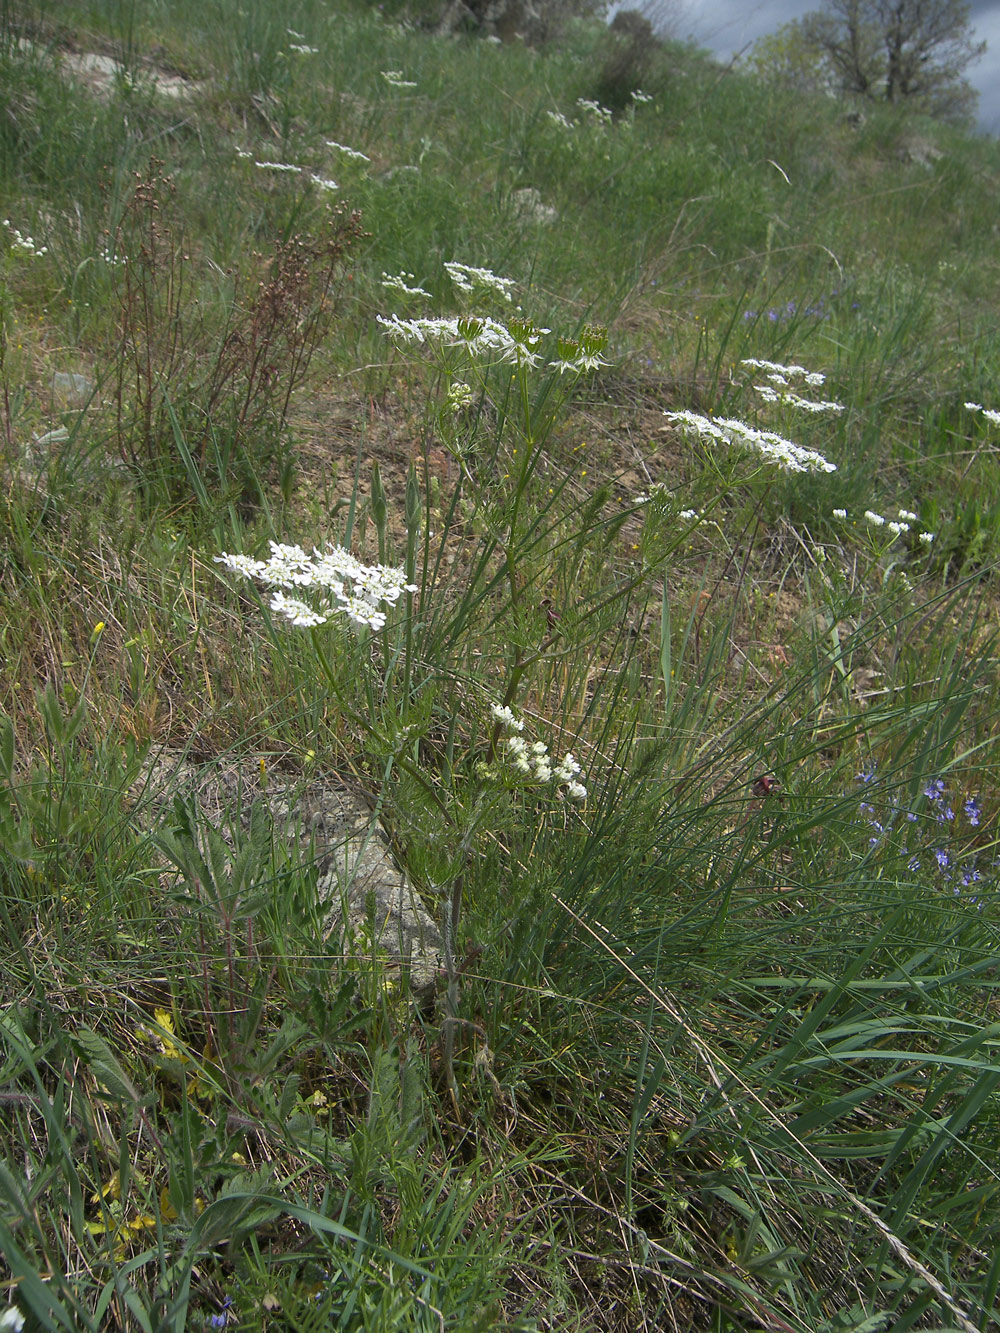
(700, 1055)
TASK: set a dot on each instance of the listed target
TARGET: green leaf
(104, 1066)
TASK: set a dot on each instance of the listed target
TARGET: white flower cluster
(398, 282)
(303, 50)
(475, 336)
(770, 395)
(780, 374)
(277, 166)
(23, 245)
(778, 390)
(987, 412)
(559, 119)
(894, 526)
(343, 584)
(324, 183)
(351, 153)
(534, 761)
(469, 279)
(394, 78)
(602, 114)
(771, 447)
(12, 1320)
(638, 95)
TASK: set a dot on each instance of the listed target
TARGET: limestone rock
(362, 891)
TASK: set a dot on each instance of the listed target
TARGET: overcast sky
(726, 26)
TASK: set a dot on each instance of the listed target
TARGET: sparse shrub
(203, 380)
(629, 59)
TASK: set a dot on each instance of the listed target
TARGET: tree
(914, 51)
(787, 58)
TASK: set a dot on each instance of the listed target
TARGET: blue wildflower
(941, 857)
(221, 1319)
(973, 810)
(934, 789)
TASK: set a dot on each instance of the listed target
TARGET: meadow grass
(713, 1040)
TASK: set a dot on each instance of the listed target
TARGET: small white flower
(907, 516)
(394, 78)
(876, 520)
(304, 50)
(298, 613)
(324, 183)
(897, 528)
(277, 166)
(506, 718)
(23, 244)
(568, 769)
(840, 513)
(559, 119)
(926, 538)
(576, 791)
(241, 564)
(12, 1320)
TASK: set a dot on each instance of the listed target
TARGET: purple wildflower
(973, 810)
(934, 789)
(941, 857)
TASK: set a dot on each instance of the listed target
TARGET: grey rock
(529, 206)
(362, 891)
(74, 389)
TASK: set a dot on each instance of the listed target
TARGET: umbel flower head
(771, 447)
(338, 582)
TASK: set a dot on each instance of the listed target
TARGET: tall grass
(714, 1047)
